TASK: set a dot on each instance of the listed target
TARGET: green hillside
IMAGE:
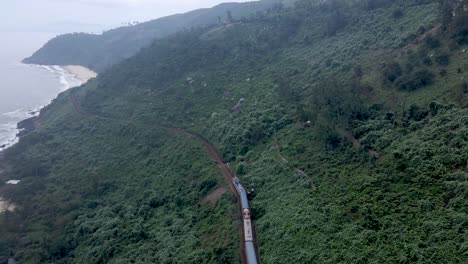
(349, 120)
(99, 52)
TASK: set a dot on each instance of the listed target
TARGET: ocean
(24, 89)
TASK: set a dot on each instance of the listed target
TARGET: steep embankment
(99, 52)
(378, 175)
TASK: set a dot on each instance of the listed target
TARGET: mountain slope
(99, 52)
(378, 175)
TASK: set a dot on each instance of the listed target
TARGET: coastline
(81, 73)
(68, 76)
(76, 75)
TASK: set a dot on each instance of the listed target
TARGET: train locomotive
(248, 233)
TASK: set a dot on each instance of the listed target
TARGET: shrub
(207, 185)
(390, 116)
(432, 42)
(241, 169)
(303, 113)
(335, 22)
(397, 13)
(434, 108)
(427, 61)
(392, 71)
(453, 45)
(443, 59)
(459, 92)
(156, 201)
(421, 30)
(409, 67)
(460, 28)
(358, 71)
(374, 4)
(460, 25)
(416, 113)
(415, 80)
(333, 139)
(423, 52)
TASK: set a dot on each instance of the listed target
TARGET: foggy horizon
(93, 16)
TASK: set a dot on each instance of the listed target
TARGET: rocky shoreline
(26, 126)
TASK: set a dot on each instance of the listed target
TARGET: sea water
(24, 89)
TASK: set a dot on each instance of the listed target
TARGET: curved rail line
(248, 236)
(249, 253)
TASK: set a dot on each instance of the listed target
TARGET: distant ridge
(98, 52)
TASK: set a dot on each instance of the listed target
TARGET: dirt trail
(213, 197)
(227, 173)
(212, 152)
(291, 165)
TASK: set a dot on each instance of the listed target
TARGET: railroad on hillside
(248, 232)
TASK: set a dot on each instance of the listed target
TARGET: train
(248, 232)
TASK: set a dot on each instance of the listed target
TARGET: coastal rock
(26, 126)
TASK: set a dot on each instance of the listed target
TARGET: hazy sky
(60, 16)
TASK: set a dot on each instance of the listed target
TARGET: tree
(392, 71)
(358, 72)
(415, 80)
(241, 168)
(230, 19)
(443, 59)
(459, 92)
(397, 13)
(335, 22)
(432, 42)
(459, 28)
(446, 12)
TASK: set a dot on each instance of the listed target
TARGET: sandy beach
(81, 73)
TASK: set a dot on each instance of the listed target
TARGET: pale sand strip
(81, 73)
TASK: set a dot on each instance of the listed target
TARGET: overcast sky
(60, 16)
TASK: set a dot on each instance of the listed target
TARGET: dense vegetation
(378, 175)
(118, 193)
(99, 52)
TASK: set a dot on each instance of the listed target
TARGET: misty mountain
(100, 51)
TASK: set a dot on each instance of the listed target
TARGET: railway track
(247, 232)
(249, 251)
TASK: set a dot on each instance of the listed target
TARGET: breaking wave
(9, 131)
